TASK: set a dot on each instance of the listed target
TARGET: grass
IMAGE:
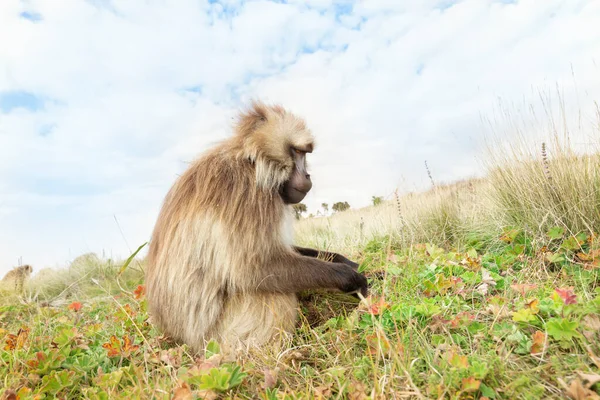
(485, 288)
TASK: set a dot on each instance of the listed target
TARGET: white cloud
(137, 90)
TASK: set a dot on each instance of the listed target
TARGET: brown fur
(18, 275)
(221, 263)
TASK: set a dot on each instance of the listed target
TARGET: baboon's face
(298, 183)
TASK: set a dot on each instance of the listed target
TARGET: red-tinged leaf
(588, 256)
(509, 235)
(11, 342)
(538, 342)
(567, 295)
(171, 357)
(438, 323)
(457, 285)
(471, 263)
(75, 306)
(9, 395)
(456, 280)
(470, 384)
(39, 356)
(533, 305)
(125, 313)
(16, 341)
(377, 343)
(454, 322)
(139, 292)
(182, 392)
(113, 346)
(202, 365)
(378, 307)
(357, 391)
(443, 283)
(523, 287)
(461, 319)
(458, 361)
(128, 346)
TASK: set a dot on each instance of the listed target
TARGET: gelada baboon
(18, 275)
(221, 263)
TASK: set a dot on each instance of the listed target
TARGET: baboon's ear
(252, 118)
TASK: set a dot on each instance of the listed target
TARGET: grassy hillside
(484, 289)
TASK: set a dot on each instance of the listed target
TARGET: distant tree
(377, 200)
(311, 215)
(340, 206)
(325, 207)
(299, 209)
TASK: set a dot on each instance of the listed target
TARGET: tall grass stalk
(540, 181)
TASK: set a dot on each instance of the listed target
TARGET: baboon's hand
(344, 260)
(354, 282)
(351, 264)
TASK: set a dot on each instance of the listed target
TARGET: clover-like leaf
(56, 381)
(555, 232)
(123, 348)
(458, 361)
(470, 384)
(554, 258)
(523, 315)
(562, 329)
(572, 243)
(510, 235)
(212, 348)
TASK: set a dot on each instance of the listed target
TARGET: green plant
(340, 206)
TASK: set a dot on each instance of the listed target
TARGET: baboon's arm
(327, 255)
(290, 272)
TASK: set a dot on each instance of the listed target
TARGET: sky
(104, 102)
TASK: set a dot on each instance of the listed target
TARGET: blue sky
(11, 100)
(104, 102)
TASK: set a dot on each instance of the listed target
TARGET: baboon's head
(277, 142)
(27, 270)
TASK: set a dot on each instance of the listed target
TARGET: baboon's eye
(297, 151)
